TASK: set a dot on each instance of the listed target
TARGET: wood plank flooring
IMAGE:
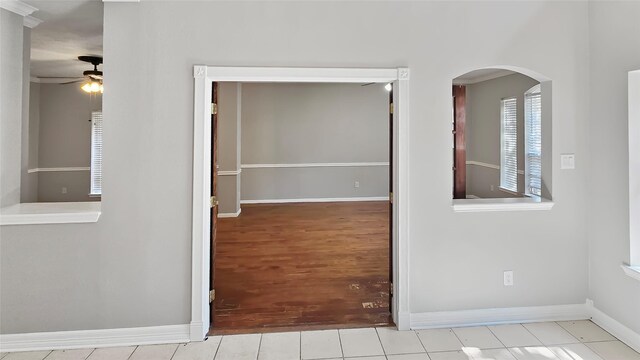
(311, 265)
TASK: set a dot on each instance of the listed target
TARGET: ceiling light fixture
(93, 86)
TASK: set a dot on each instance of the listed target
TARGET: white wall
(613, 27)
(133, 267)
(309, 124)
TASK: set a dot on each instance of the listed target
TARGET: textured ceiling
(70, 28)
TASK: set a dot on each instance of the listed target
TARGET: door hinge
(212, 295)
(213, 201)
(391, 288)
(391, 108)
(391, 197)
(214, 109)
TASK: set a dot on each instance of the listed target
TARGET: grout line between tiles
(215, 353)
(421, 343)
(175, 351)
(384, 352)
(457, 337)
(496, 336)
(133, 352)
(92, 351)
(340, 340)
(46, 356)
(259, 345)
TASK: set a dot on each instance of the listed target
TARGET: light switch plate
(567, 161)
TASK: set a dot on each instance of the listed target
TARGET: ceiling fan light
(95, 86)
(86, 87)
(101, 88)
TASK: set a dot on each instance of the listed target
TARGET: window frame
(535, 90)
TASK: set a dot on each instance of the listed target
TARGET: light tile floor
(566, 340)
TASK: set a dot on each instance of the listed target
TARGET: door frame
(204, 76)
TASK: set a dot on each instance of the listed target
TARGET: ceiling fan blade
(367, 84)
(72, 82)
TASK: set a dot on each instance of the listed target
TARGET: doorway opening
(203, 177)
(302, 188)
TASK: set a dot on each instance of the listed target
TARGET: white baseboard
(95, 338)
(230, 215)
(308, 200)
(447, 319)
(614, 327)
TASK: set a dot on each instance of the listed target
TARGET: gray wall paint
(229, 120)
(133, 267)
(11, 78)
(33, 140)
(613, 26)
(483, 131)
(76, 183)
(28, 181)
(314, 123)
(65, 141)
(322, 182)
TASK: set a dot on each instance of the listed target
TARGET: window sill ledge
(509, 204)
(632, 271)
(51, 213)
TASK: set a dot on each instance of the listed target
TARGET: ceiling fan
(93, 78)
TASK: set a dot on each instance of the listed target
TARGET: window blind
(96, 153)
(533, 141)
(509, 145)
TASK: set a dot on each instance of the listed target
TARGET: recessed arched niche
(501, 128)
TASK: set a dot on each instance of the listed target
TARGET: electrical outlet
(64, 190)
(356, 184)
(491, 187)
(508, 278)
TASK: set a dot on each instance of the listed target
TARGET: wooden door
(459, 144)
(391, 199)
(214, 193)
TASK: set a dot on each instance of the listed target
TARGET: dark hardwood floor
(307, 265)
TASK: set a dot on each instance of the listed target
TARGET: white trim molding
(169, 334)
(314, 165)
(632, 271)
(204, 76)
(51, 213)
(18, 7)
(502, 204)
(314, 200)
(634, 167)
(31, 22)
(614, 327)
(229, 172)
(515, 315)
(229, 215)
(59, 169)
